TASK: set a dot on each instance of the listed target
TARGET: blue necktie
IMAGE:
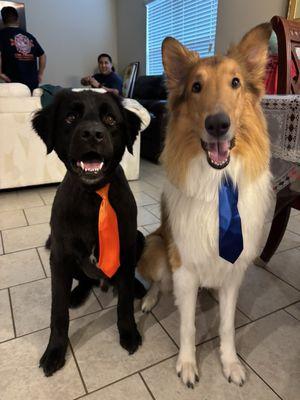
(230, 229)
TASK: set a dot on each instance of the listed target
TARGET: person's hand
(85, 81)
(5, 78)
(94, 83)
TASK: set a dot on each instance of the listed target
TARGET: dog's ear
(42, 123)
(252, 52)
(177, 61)
(133, 123)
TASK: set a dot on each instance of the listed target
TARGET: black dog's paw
(130, 340)
(79, 295)
(52, 360)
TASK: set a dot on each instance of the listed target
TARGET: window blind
(192, 22)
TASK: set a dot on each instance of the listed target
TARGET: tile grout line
(268, 314)
(110, 307)
(12, 314)
(1, 238)
(48, 327)
(107, 385)
(149, 195)
(152, 213)
(297, 246)
(98, 300)
(25, 217)
(291, 314)
(280, 278)
(25, 226)
(257, 374)
(24, 283)
(38, 254)
(163, 328)
(25, 249)
(147, 387)
(77, 366)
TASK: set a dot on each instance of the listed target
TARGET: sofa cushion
(151, 87)
(14, 90)
(19, 104)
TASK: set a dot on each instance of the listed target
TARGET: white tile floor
(267, 320)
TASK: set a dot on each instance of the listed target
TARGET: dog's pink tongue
(90, 166)
(218, 150)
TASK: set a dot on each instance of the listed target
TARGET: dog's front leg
(130, 339)
(54, 356)
(186, 290)
(232, 368)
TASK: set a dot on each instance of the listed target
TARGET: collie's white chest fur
(195, 222)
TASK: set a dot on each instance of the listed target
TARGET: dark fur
(74, 219)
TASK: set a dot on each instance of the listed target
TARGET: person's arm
(114, 91)
(4, 77)
(42, 66)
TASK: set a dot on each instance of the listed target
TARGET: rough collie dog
(216, 131)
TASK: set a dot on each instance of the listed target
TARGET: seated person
(107, 79)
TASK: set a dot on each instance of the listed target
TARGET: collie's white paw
(235, 372)
(148, 303)
(188, 372)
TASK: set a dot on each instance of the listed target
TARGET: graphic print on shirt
(23, 46)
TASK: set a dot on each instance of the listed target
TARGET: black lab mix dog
(89, 132)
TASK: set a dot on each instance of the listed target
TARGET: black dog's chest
(75, 222)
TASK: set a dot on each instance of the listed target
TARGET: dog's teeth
(82, 165)
(101, 164)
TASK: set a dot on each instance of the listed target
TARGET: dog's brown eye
(235, 83)
(70, 118)
(109, 120)
(196, 87)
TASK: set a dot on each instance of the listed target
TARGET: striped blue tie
(230, 229)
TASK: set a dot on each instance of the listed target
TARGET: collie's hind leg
(232, 367)
(186, 290)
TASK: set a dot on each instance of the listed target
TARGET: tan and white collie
(216, 129)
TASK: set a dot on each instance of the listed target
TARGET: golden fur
(196, 158)
(243, 107)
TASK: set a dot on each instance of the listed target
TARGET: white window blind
(192, 22)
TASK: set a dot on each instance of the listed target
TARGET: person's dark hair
(107, 56)
(9, 15)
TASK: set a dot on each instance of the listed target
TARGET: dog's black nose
(92, 133)
(218, 124)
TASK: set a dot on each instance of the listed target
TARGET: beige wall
(72, 34)
(131, 21)
(73, 37)
(236, 17)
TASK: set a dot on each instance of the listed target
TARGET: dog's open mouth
(90, 166)
(218, 152)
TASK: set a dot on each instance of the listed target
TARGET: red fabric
(271, 75)
(108, 233)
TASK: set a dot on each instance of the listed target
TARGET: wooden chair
(288, 36)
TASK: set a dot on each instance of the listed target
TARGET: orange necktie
(109, 244)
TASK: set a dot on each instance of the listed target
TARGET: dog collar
(108, 235)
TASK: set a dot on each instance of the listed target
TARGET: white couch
(23, 158)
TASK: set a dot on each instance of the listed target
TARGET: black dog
(89, 132)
